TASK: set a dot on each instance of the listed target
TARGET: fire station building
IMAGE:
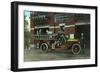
(74, 24)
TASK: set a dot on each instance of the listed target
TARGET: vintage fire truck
(53, 41)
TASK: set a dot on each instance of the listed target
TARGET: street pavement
(37, 55)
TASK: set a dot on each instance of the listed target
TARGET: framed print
(52, 36)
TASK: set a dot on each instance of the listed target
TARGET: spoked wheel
(76, 48)
(44, 47)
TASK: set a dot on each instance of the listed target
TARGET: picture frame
(79, 21)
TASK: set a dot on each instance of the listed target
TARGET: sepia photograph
(56, 36)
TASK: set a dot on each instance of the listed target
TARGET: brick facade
(53, 26)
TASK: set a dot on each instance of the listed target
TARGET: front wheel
(76, 48)
(44, 47)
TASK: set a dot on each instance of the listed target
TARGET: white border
(22, 64)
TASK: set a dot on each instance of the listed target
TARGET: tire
(76, 48)
(44, 47)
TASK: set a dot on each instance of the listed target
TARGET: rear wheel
(76, 48)
(44, 47)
